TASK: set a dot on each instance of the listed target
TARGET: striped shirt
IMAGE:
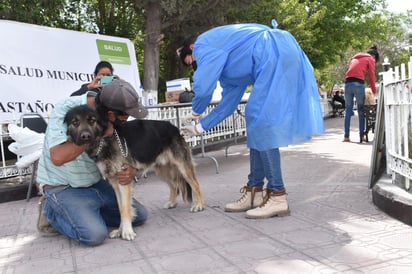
(81, 172)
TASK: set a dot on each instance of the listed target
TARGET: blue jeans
(265, 164)
(83, 214)
(354, 90)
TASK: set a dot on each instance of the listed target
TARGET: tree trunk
(152, 41)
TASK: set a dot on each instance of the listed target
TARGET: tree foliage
(329, 31)
(168, 23)
(323, 28)
(392, 35)
(44, 12)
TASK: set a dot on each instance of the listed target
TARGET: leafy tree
(393, 36)
(329, 31)
(323, 28)
(45, 12)
(168, 22)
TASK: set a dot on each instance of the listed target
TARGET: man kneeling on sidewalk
(77, 202)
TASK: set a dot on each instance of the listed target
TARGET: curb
(393, 200)
(15, 193)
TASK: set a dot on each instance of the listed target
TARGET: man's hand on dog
(126, 174)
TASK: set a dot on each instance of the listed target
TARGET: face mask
(118, 122)
(194, 65)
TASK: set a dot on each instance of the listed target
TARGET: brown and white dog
(143, 144)
(369, 97)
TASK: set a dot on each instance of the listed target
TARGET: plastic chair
(33, 121)
(337, 109)
(37, 123)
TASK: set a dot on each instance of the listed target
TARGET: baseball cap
(120, 95)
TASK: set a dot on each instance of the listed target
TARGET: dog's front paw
(197, 208)
(115, 234)
(128, 235)
(170, 204)
(125, 234)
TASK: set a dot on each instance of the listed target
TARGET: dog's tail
(188, 197)
(185, 189)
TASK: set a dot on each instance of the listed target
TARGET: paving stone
(334, 227)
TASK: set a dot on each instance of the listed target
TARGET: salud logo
(113, 52)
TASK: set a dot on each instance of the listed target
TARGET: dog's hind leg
(175, 166)
(167, 174)
(181, 161)
(198, 203)
(124, 195)
(187, 171)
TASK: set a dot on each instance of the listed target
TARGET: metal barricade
(228, 132)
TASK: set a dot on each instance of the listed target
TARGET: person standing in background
(360, 64)
(103, 68)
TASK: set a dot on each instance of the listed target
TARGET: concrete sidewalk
(334, 227)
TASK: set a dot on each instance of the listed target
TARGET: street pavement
(333, 228)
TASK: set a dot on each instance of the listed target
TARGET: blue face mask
(194, 65)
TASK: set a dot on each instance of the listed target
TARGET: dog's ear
(68, 117)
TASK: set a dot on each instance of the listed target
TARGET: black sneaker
(43, 225)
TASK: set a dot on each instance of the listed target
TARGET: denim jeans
(265, 164)
(354, 90)
(83, 214)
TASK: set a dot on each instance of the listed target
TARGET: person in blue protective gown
(283, 107)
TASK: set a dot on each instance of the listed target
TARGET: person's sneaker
(274, 204)
(346, 139)
(43, 225)
(251, 198)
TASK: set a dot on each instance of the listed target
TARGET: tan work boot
(43, 225)
(251, 198)
(274, 204)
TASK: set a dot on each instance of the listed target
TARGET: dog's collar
(124, 152)
(99, 148)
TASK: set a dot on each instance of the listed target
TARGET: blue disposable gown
(284, 104)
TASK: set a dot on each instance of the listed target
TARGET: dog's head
(369, 97)
(83, 125)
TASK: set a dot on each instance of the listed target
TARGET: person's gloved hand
(191, 119)
(191, 130)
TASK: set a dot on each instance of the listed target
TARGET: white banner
(40, 66)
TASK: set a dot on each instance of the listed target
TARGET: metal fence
(231, 128)
(8, 168)
(398, 123)
(228, 131)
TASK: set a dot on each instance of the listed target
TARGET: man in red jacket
(360, 64)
